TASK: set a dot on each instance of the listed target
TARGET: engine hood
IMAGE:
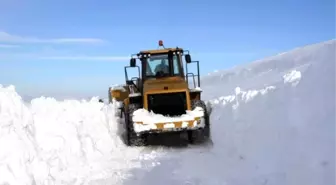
(164, 85)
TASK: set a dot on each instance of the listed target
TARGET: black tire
(202, 134)
(132, 139)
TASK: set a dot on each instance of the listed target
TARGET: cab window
(158, 65)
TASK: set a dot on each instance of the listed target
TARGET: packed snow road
(273, 122)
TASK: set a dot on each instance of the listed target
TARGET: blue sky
(79, 48)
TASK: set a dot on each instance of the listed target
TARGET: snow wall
(60, 142)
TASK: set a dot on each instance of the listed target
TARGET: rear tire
(204, 133)
(132, 139)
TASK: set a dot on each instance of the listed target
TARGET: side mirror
(133, 62)
(187, 58)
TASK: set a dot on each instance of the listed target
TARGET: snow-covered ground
(273, 122)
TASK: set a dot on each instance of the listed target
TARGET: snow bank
(268, 71)
(60, 142)
(17, 142)
(284, 136)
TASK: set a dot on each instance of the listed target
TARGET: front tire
(132, 139)
(204, 133)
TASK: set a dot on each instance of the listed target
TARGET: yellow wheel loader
(159, 99)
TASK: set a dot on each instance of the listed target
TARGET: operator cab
(161, 65)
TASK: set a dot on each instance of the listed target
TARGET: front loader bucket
(148, 122)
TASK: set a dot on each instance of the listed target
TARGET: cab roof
(159, 51)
